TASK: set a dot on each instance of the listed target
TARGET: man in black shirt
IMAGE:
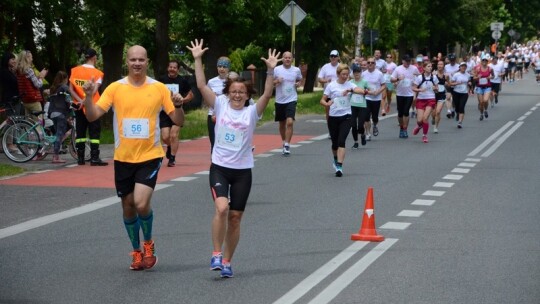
(181, 91)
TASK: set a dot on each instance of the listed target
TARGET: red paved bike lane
(192, 157)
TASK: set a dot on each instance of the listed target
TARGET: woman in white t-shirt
(337, 98)
(460, 81)
(426, 86)
(232, 158)
(217, 84)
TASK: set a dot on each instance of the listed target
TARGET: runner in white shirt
(387, 99)
(498, 71)
(376, 85)
(337, 98)
(403, 77)
(450, 69)
(328, 73)
(460, 81)
(232, 159)
(380, 63)
(286, 79)
(217, 84)
(426, 86)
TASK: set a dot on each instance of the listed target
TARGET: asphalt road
(460, 217)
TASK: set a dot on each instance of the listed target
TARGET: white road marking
(72, 166)
(473, 160)
(501, 140)
(305, 142)
(395, 225)
(206, 172)
(42, 171)
(45, 220)
(264, 155)
(461, 170)
(320, 274)
(468, 165)
(162, 186)
(453, 177)
(339, 284)
(493, 137)
(184, 179)
(276, 150)
(522, 118)
(433, 193)
(410, 213)
(443, 185)
(423, 202)
(528, 113)
(320, 137)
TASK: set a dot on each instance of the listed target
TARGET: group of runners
(353, 95)
(423, 88)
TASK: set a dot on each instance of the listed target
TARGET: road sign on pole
(496, 35)
(292, 15)
(497, 26)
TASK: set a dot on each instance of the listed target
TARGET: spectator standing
(79, 76)
(29, 83)
(9, 89)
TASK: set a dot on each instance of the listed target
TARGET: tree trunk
(216, 49)
(360, 29)
(310, 78)
(162, 38)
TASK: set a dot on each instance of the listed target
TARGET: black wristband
(179, 107)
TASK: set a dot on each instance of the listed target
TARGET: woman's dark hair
(249, 87)
(58, 79)
(5, 60)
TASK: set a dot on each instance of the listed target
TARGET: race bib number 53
(136, 128)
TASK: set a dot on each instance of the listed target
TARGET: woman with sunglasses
(482, 75)
(377, 85)
(387, 98)
(232, 158)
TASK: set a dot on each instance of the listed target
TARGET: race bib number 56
(136, 128)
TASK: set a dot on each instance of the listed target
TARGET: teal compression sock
(132, 228)
(146, 225)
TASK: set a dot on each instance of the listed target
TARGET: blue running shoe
(227, 272)
(216, 262)
(339, 171)
(405, 134)
(400, 133)
(334, 164)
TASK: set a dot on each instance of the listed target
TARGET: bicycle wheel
(44, 150)
(73, 145)
(21, 142)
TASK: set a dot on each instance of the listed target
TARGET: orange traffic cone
(367, 231)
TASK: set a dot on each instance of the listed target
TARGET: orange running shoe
(149, 259)
(137, 263)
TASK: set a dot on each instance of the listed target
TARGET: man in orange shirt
(79, 76)
(137, 100)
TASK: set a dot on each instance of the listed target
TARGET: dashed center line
(443, 185)
(433, 193)
(453, 177)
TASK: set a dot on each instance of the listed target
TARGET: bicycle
(11, 109)
(35, 138)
